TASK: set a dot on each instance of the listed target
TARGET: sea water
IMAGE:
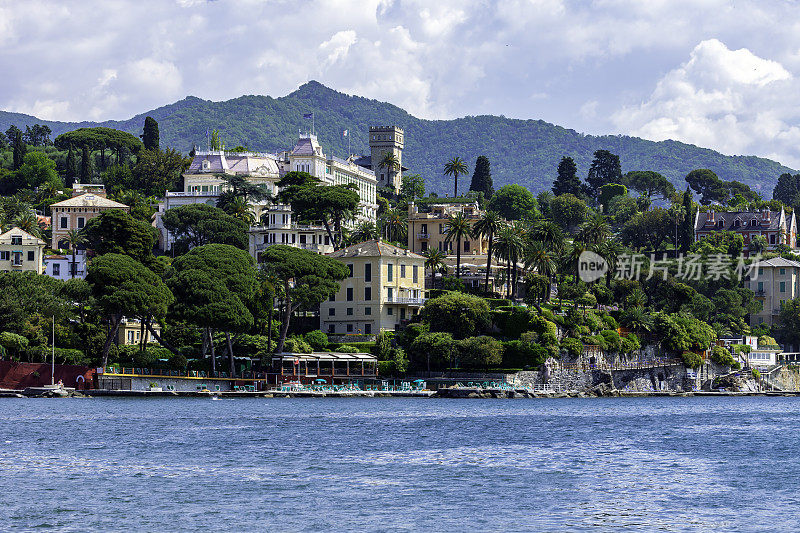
(624, 464)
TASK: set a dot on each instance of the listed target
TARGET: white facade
(58, 266)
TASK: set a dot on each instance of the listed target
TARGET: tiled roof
(745, 219)
(16, 232)
(374, 249)
(303, 147)
(88, 200)
(778, 262)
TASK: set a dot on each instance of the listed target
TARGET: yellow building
(386, 285)
(776, 282)
(21, 251)
(130, 332)
(427, 228)
(75, 212)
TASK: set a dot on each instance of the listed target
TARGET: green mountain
(521, 151)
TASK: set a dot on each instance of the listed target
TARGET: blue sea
(402, 464)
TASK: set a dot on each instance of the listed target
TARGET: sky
(719, 74)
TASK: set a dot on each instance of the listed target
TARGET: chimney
(766, 215)
(710, 216)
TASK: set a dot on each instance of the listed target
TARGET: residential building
(130, 332)
(386, 285)
(775, 226)
(203, 183)
(21, 252)
(427, 227)
(774, 282)
(58, 266)
(75, 212)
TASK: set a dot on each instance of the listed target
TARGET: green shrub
(494, 303)
(630, 344)
(722, 356)
(548, 314)
(461, 315)
(407, 335)
(519, 354)
(296, 345)
(480, 351)
(691, 359)
(613, 343)
(573, 347)
(593, 322)
(756, 374)
(346, 348)
(386, 368)
(177, 362)
(383, 346)
(317, 339)
(435, 348)
(610, 322)
(400, 360)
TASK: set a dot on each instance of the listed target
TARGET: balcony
(423, 236)
(404, 300)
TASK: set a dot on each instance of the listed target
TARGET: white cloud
(101, 59)
(731, 100)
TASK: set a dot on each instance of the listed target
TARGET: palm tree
(391, 164)
(395, 226)
(455, 167)
(509, 246)
(238, 207)
(458, 227)
(434, 259)
(365, 231)
(637, 320)
(538, 257)
(74, 238)
(28, 222)
(487, 226)
(548, 233)
(595, 230)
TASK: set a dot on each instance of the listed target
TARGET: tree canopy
(513, 202)
(200, 224)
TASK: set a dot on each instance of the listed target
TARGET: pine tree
(86, 165)
(482, 177)
(20, 149)
(150, 136)
(567, 180)
(72, 167)
(605, 169)
(687, 231)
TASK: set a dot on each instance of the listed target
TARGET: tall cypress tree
(482, 177)
(605, 169)
(150, 134)
(567, 180)
(86, 165)
(20, 149)
(72, 167)
(687, 237)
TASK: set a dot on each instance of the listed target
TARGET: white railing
(189, 194)
(423, 236)
(404, 300)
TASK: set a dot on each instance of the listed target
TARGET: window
(4, 256)
(350, 268)
(331, 328)
(56, 269)
(760, 286)
(81, 222)
(368, 328)
(772, 239)
(423, 246)
(332, 311)
(16, 258)
(349, 328)
(441, 229)
(390, 272)
(16, 240)
(31, 255)
(402, 271)
(423, 228)
(64, 222)
(349, 311)
(783, 286)
(349, 294)
(368, 293)
(389, 311)
(760, 271)
(415, 273)
(332, 298)
(466, 246)
(368, 311)
(783, 271)
(368, 272)
(302, 239)
(402, 313)
(389, 293)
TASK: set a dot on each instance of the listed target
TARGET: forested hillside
(521, 151)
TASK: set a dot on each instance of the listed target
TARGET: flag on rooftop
(308, 115)
(344, 133)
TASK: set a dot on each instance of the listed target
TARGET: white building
(203, 184)
(58, 266)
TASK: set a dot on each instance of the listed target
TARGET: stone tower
(383, 139)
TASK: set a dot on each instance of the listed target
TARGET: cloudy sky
(720, 74)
